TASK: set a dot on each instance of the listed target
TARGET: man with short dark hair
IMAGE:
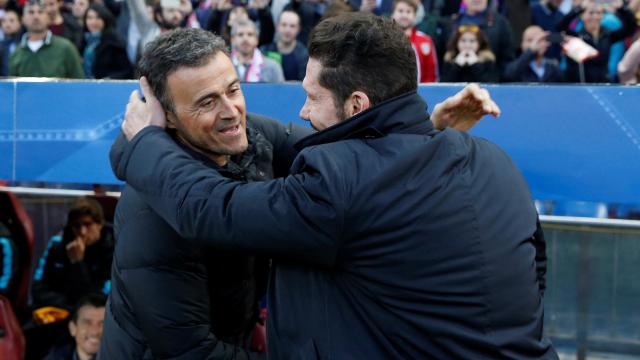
(206, 302)
(78, 262)
(389, 239)
(287, 50)
(250, 63)
(41, 53)
(85, 328)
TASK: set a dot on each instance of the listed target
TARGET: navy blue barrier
(571, 142)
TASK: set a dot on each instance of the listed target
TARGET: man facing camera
(389, 238)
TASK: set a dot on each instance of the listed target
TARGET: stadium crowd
(454, 41)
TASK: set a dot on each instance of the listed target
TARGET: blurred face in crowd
(35, 19)
(245, 40)
(94, 22)
(288, 26)
(172, 16)
(530, 38)
(209, 108)
(237, 13)
(320, 107)
(10, 23)
(87, 330)
(476, 6)
(404, 15)
(468, 42)
(592, 16)
(86, 228)
(79, 8)
(52, 7)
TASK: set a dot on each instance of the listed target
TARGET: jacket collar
(406, 113)
(25, 38)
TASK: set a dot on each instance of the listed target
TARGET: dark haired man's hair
(86, 207)
(95, 300)
(175, 49)
(363, 52)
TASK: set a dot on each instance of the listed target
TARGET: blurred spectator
(629, 66)
(495, 27)
(41, 53)
(104, 53)
(85, 328)
(249, 62)
(468, 57)
(547, 15)
(378, 7)
(9, 263)
(335, 8)
(62, 23)
(518, 12)
(79, 262)
(151, 19)
(287, 50)
(312, 11)
(404, 14)
(224, 15)
(532, 66)
(78, 10)
(591, 13)
(11, 29)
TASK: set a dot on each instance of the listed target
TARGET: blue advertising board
(570, 142)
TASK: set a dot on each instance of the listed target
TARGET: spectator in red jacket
(404, 14)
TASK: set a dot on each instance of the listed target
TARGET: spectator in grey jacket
(249, 62)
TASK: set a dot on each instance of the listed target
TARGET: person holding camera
(594, 70)
(532, 66)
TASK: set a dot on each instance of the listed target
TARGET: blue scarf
(93, 40)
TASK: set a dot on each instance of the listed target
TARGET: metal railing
(592, 302)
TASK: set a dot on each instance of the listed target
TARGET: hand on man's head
(142, 113)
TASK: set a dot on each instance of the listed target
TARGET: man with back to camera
(172, 298)
(389, 238)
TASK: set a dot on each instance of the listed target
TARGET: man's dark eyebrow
(213, 94)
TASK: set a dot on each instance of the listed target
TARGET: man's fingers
(146, 89)
(134, 97)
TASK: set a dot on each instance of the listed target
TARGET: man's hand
(75, 250)
(463, 110)
(141, 114)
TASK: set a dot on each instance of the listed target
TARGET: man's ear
(171, 119)
(356, 103)
(72, 328)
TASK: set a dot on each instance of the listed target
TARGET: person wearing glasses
(79, 261)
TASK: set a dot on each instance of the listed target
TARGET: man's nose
(304, 111)
(227, 108)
